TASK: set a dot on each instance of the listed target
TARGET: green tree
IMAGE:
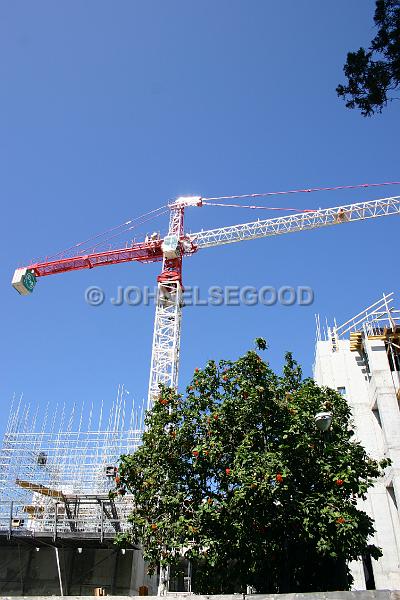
(236, 476)
(374, 73)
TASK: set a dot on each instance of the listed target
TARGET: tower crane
(175, 246)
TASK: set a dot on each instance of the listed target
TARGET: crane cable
(301, 191)
(132, 222)
(102, 242)
(299, 210)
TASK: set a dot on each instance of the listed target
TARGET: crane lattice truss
(176, 245)
(299, 222)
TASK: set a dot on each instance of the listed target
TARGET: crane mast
(164, 364)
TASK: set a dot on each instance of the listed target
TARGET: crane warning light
(24, 281)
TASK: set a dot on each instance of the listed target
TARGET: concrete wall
(371, 393)
(23, 570)
(361, 595)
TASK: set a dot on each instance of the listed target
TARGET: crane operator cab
(170, 246)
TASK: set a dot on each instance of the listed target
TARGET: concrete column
(137, 573)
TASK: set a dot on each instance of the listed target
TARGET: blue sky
(109, 110)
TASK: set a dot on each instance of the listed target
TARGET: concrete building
(361, 360)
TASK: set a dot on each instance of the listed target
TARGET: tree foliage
(235, 475)
(372, 74)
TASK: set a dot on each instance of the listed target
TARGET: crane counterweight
(23, 281)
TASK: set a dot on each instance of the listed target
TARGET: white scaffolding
(56, 472)
(373, 320)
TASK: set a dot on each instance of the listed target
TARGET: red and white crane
(175, 246)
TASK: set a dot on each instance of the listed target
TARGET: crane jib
(297, 222)
(152, 250)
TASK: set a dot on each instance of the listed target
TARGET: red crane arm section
(142, 252)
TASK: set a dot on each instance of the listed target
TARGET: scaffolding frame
(373, 321)
(57, 471)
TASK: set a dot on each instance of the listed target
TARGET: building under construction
(57, 519)
(361, 360)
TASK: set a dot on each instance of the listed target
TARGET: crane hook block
(24, 281)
